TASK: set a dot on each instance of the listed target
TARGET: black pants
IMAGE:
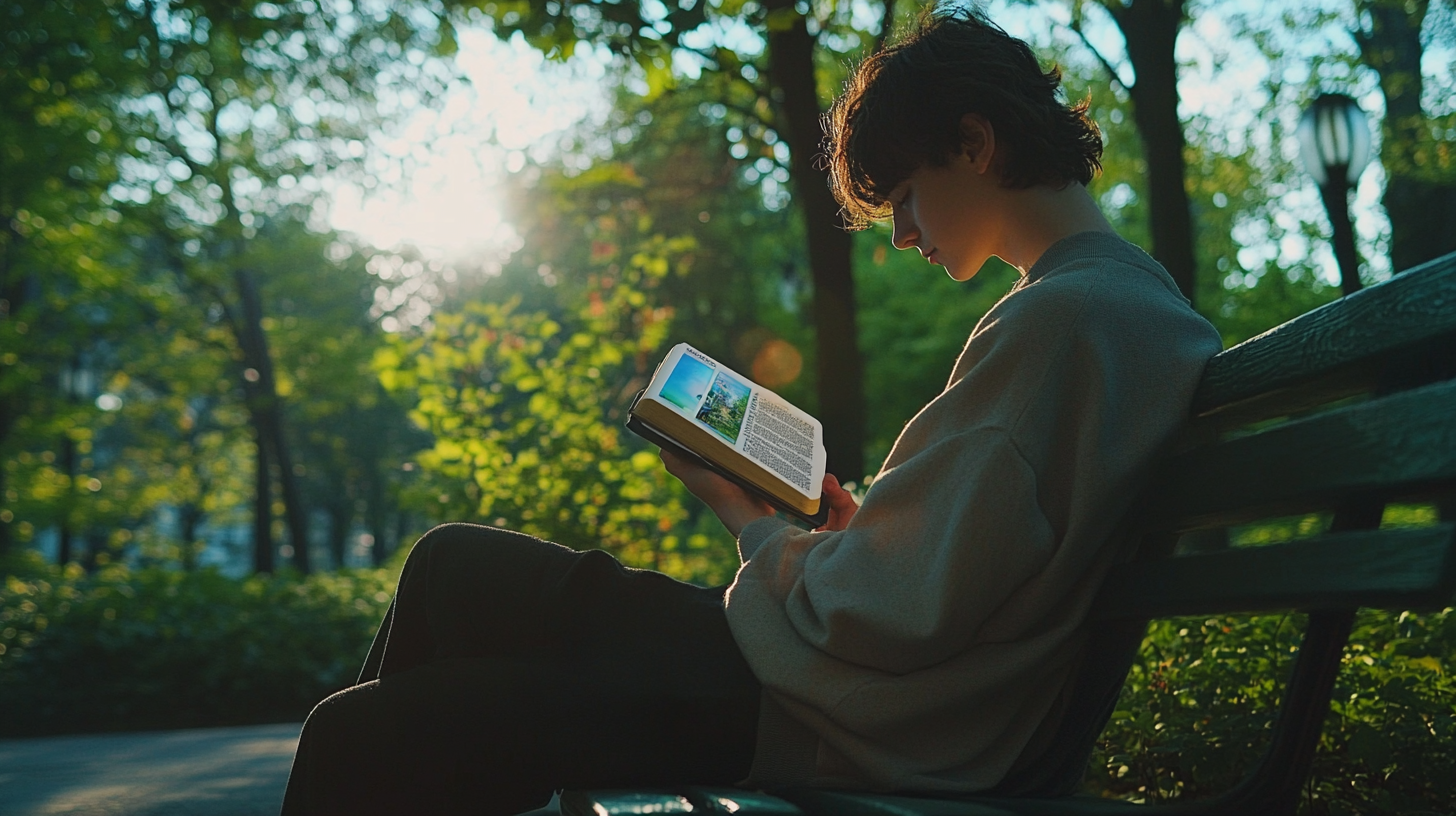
(508, 667)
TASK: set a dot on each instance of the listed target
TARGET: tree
(787, 105)
(795, 87)
(1150, 30)
(59, 64)
(351, 436)
(241, 108)
(1420, 168)
(670, 172)
(526, 412)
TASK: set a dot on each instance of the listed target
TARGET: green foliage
(155, 157)
(906, 367)
(1196, 709)
(1196, 706)
(526, 411)
(676, 175)
(1389, 745)
(126, 648)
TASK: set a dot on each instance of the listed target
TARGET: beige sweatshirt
(921, 648)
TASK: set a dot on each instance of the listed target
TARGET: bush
(151, 648)
(1196, 711)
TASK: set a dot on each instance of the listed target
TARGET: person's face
(950, 213)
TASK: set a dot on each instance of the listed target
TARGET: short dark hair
(903, 106)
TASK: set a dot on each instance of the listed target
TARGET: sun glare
(438, 174)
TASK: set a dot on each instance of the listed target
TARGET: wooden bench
(1340, 411)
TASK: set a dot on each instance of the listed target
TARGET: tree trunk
(840, 375)
(339, 518)
(63, 543)
(95, 545)
(1150, 28)
(68, 466)
(266, 409)
(262, 506)
(1420, 194)
(4, 519)
(374, 514)
(189, 515)
(12, 297)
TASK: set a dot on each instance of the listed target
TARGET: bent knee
(461, 539)
(340, 714)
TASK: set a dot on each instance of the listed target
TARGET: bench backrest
(1341, 410)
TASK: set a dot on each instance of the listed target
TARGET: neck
(1040, 216)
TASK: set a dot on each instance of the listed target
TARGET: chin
(960, 275)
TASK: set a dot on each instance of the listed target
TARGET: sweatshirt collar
(1079, 245)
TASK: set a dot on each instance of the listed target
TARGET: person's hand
(841, 505)
(734, 506)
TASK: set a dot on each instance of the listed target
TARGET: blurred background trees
(174, 293)
(201, 376)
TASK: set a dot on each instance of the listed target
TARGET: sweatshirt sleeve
(935, 577)
(950, 528)
(929, 600)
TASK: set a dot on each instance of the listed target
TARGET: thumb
(836, 494)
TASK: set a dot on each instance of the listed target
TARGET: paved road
(200, 772)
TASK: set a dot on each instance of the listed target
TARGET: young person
(921, 641)
(926, 642)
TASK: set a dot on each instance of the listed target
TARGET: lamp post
(1334, 142)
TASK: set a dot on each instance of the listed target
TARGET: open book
(696, 406)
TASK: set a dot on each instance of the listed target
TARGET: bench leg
(1274, 788)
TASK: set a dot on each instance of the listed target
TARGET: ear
(978, 141)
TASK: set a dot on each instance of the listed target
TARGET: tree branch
(174, 146)
(1076, 28)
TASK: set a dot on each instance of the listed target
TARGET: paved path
(200, 772)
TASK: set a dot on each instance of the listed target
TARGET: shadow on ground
(200, 772)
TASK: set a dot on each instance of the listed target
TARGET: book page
(780, 441)
(751, 419)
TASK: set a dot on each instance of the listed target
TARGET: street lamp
(1334, 142)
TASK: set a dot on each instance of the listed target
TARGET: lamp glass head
(1334, 136)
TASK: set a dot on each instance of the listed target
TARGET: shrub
(160, 648)
(1196, 710)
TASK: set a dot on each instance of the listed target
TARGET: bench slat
(1400, 443)
(1412, 307)
(1412, 568)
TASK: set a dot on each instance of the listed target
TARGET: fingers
(676, 464)
(838, 497)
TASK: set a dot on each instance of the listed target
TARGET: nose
(905, 232)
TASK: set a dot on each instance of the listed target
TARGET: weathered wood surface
(1338, 339)
(1411, 568)
(1391, 446)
